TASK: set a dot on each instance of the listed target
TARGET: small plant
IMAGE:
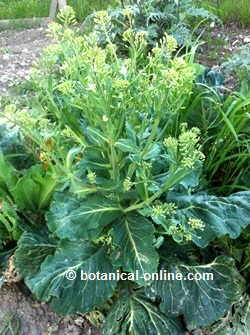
(239, 64)
(25, 187)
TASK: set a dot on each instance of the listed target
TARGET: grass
(84, 7)
(229, 10)
(228, 155)
(18, 9)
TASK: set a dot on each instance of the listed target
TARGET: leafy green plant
(20, 192)
(155, 17)
(239, 64)
(24, 186)
(130, 196)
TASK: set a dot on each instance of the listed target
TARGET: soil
(27, 317)
(18, 52)
(221, 43)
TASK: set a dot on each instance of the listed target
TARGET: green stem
(113, 160)
(174, 179)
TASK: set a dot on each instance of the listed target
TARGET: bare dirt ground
(221, 43)
(18, 52)
(25, 316)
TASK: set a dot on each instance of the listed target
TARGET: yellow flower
(91, 176)
(128, 34)
(102, 17)
(121, 83)
(66, 87)
(43, 157)
(141, 35)
(127, 12)
(157, 51)
(171, 43)
(127, 184)
(196, 224)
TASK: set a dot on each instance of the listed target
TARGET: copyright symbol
(70, 275)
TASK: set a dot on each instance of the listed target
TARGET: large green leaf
(95, 136)
(32, 250)
(134, 315)
(74, 219)
(8, 176)
(134, 237)
(34, 189)
(221, 215)
(9, 222)
(78, 295)
(127, 145)
(12, 145)
(153, 151)
(94, 159)
(200, 301)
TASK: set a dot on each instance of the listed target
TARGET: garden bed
(19, 50)
(79, 182)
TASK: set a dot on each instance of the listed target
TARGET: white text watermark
(71, 274)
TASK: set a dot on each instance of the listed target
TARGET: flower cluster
(180, 234)
(196, 224)
(127, 184)
(91, 176)
(185, 151)
(183, 232)
(102, 18)
(160, 208)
